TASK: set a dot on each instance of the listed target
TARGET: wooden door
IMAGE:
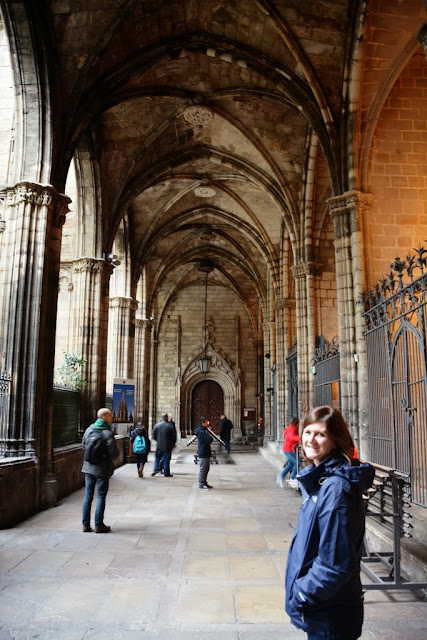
(207, 400)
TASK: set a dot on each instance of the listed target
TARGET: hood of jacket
(359, 473)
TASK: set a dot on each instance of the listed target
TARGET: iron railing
(5, 382)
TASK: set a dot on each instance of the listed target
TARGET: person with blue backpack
(141, 447)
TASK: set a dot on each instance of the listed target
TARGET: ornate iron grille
(326, 365)
(5, 380)
(395, 315)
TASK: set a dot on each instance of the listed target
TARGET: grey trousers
(204, 466)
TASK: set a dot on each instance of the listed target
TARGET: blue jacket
(323, 589)
(204, 440)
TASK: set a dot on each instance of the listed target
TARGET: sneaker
(87, 528)
(293, 484)
(279, 480)
(154, 473)
(169, 476)
(204, 487)
(102, 528)
(209, 486)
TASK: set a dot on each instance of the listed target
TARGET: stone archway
(229, 383)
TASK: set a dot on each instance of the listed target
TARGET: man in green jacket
(100, 449)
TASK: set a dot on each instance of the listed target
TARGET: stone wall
(20, 479)
(19, 490)
(398, 172)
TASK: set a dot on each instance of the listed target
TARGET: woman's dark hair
(336, 426)
(295, 421)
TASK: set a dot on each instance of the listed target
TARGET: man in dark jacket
(164, 433)
(98, 468)
(225, 427)
(204, 440)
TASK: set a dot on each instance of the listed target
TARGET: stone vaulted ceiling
(203, 118)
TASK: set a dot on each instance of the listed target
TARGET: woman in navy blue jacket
(323, 588)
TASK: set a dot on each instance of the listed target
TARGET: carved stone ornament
(204, 192)
(2, 226)
(198, 115)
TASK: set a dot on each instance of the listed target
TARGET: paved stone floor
(180, 563)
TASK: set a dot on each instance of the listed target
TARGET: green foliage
(70, 372)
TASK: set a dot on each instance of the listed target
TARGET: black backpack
(96, 450)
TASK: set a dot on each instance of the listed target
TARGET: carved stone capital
(144, 324)
(40, 196)
(123, 303)
(87, 264)
(347, 209)
(304, 269)
(285, 303)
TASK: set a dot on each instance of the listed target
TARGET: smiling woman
(323, 590)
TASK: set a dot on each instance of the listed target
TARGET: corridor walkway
(180, 564)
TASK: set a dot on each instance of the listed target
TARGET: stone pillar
(121, 337)
(280, 365)
(89, 322)
(154, 354)
(139, 367)
(348, 213)
(304, 274)
(30, 256)
(298, 271)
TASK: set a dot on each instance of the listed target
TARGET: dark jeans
(227, 445)
(162, 460)
(291, 466)
(102, 484)
(140, 460)
(204, 466)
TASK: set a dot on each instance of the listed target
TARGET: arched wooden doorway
(207, 399)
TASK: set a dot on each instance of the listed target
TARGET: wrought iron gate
(326, 364)
(396, 325)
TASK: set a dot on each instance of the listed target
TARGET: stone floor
(180, 563)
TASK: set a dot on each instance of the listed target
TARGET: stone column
(139, 367)
(30, 256)
(280, 364)
(348, 213)
(121, 337)
(304, 274)
(154, 345)
(89, 321)
(298, 271)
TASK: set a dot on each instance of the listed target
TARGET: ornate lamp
(206, 266)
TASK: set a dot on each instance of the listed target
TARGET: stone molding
(340, 206)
